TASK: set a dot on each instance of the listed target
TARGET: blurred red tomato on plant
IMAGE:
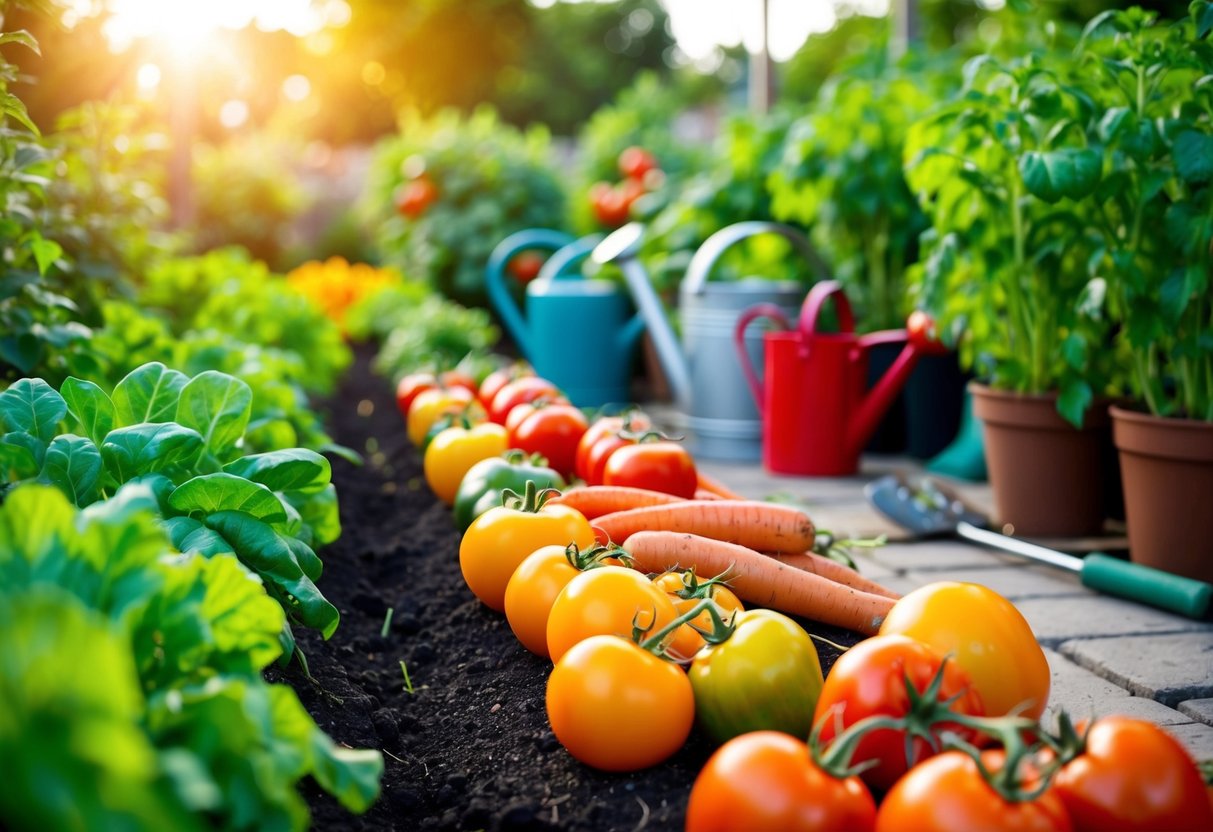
(635, 162)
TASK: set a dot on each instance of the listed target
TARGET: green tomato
(766, 676)
(481, 487)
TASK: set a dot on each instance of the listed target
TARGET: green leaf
(35, 520)
(261, 549)
(143, 449)
(351, 775)
(210, 493)
(1074, 400)
(148, 394)
(89, 406)
(320, 513)
(285, 470)
(11, 105)
(22, 37)
(23, 351)
(73, 465)
(217, 406)
(1053, 174)
(46, 252)
(21, 454)
(31, 405)
(189, 535)
(1202, 13)
(1074, 350)
(1194, 156)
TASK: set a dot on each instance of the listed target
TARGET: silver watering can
(704, 371)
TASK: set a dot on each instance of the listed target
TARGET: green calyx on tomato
(765, 674)
(597, 555)
(482, 486)
(657, 642)
(453, 419)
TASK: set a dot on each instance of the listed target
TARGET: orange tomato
(605, 601)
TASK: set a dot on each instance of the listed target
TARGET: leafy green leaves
(145, 448)
(89, 406)
(210, 493)
(1068, 172)
(1194, 155)
(120, 664)
(217, 406)
(148, 394)
(32, 406)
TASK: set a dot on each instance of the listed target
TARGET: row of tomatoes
(758, 688)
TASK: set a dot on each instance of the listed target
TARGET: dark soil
(470, 747)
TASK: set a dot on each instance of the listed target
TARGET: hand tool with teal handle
(929, 510)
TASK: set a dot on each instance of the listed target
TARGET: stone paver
(1055, 620)
(1083, 694)
(1201, 710)
(1197, 737)
(1016, 582)
(1170, 668)
(935, 555)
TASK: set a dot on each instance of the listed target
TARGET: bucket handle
(714, 247)
(816, 299)
(760, 310)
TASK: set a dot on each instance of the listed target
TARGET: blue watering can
(579, 334)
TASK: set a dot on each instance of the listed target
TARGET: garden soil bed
(470, 748)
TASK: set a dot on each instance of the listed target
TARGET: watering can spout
(621, 247)
(878, 399)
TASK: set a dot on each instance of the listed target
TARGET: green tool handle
(1146, 585)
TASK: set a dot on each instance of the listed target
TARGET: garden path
(1107, 656)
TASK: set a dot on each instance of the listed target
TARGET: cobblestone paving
(1108, 656)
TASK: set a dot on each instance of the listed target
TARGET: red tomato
(635, 162)
(520, 391)
(457, 378)
(1132, 777)
(413, 198)
(552, 431)
(869, 680)
(499, 378)
(525, 266)
(765, 781)
(659, 466)
(610, 208)
(602, 428)
(409, 387)
(630, 191)
(947, 794)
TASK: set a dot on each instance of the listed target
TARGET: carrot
(709, 483)
(835, 571)
(768, 527)
(761, 580)
(704, 494)
(597, 500)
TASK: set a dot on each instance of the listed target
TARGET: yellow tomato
(499, 540)
(605, 601)
(985, 635)
(454, 451)
(531, 592)
(432, 403)
(687, 641)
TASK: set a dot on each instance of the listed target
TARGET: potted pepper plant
(1153, 85)
(1003, 171)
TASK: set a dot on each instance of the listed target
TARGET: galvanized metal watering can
(703, 370)
(579, 334)
(817, 410)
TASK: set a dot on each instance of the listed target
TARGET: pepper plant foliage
(841, 177)
(1153, 85)
(1003, 171)
(126, 666)
(183, 437)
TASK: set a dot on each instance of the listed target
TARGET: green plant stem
(1016, 300)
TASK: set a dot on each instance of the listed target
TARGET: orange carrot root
(835, 571)
(761, 580)
(768, 527)
(704, 494)
(709, 483)
(597, 500)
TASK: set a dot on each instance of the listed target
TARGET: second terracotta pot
(1046, 474)
(1168, 465)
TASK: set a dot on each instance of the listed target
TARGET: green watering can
(579, 334)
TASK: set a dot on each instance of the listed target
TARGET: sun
(184, 28)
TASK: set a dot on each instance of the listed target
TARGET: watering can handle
(760, 310)
(816, 299)
(714, 247)
(494, 276)
(560, 265)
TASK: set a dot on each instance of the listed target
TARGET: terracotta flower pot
(1046, 474)
(1168, 487)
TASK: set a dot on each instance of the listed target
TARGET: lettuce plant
(183, 438)
(131, 678)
